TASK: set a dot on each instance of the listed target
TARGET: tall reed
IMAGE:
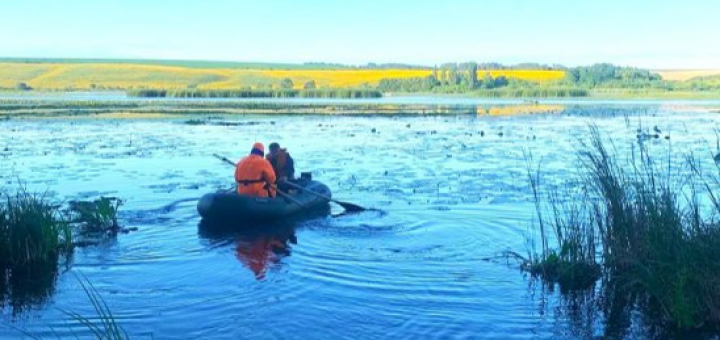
(31, 229)
(650, 225)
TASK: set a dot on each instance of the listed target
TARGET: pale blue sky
(645, 33)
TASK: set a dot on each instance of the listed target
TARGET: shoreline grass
(36, 233)
(652, 230)
(32, 229)
(344, 93)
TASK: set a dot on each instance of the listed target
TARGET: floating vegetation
(196, 122)
(210, 109)
(650, 230)
(99, 215)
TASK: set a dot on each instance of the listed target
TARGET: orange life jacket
(255, 176)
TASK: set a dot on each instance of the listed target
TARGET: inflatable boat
(229, 206)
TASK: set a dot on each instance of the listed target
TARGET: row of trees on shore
(578, 82)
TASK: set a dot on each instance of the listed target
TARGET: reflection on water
(259, 252)
(29, 286)
(259, 246)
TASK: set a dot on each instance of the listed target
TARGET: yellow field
(123, 76)
(683, 75)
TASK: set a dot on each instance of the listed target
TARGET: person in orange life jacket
(254, 174)
(282, 163)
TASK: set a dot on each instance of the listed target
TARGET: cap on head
(274, 146)
(258, 149)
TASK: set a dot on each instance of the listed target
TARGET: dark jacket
(283, 164)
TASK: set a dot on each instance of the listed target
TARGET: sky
(655, 34)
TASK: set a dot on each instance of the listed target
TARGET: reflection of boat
(261, 251)
(232, 207)
(261, 245)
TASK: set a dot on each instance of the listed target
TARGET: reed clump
(32, 229)
(36, 233)
(651, 228)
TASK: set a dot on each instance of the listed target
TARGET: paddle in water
(350, 207)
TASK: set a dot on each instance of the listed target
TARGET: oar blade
(349, 207)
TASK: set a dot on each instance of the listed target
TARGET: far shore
(114, 105)
(618, 95)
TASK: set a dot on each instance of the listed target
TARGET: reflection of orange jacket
(254, 175)
(258, 254)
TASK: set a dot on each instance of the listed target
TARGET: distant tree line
(579, 81)
(608, 75)
(448, 78)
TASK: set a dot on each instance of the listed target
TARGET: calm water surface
(453, 190)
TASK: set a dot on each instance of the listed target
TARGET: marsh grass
(648, 227)
(572, 261)
(100, 215)
(255, 93)
(32, 229)
(36, 233)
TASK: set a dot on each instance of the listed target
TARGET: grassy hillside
(175, 63)
(683, 75)
(165, 75)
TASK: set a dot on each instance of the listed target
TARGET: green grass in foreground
(651, 233)
(32, 229)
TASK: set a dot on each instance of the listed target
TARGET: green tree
(23, 87)
(488, 82)
(309, 85)
(469, 74)
(286, 83)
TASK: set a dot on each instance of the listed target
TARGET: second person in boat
(282, 164)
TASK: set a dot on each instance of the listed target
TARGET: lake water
(453, 191)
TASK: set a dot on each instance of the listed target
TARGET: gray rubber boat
(229, 206)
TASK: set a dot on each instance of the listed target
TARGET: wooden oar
(224, 159)
(290, 198)
(347, 206)
(280, 192)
